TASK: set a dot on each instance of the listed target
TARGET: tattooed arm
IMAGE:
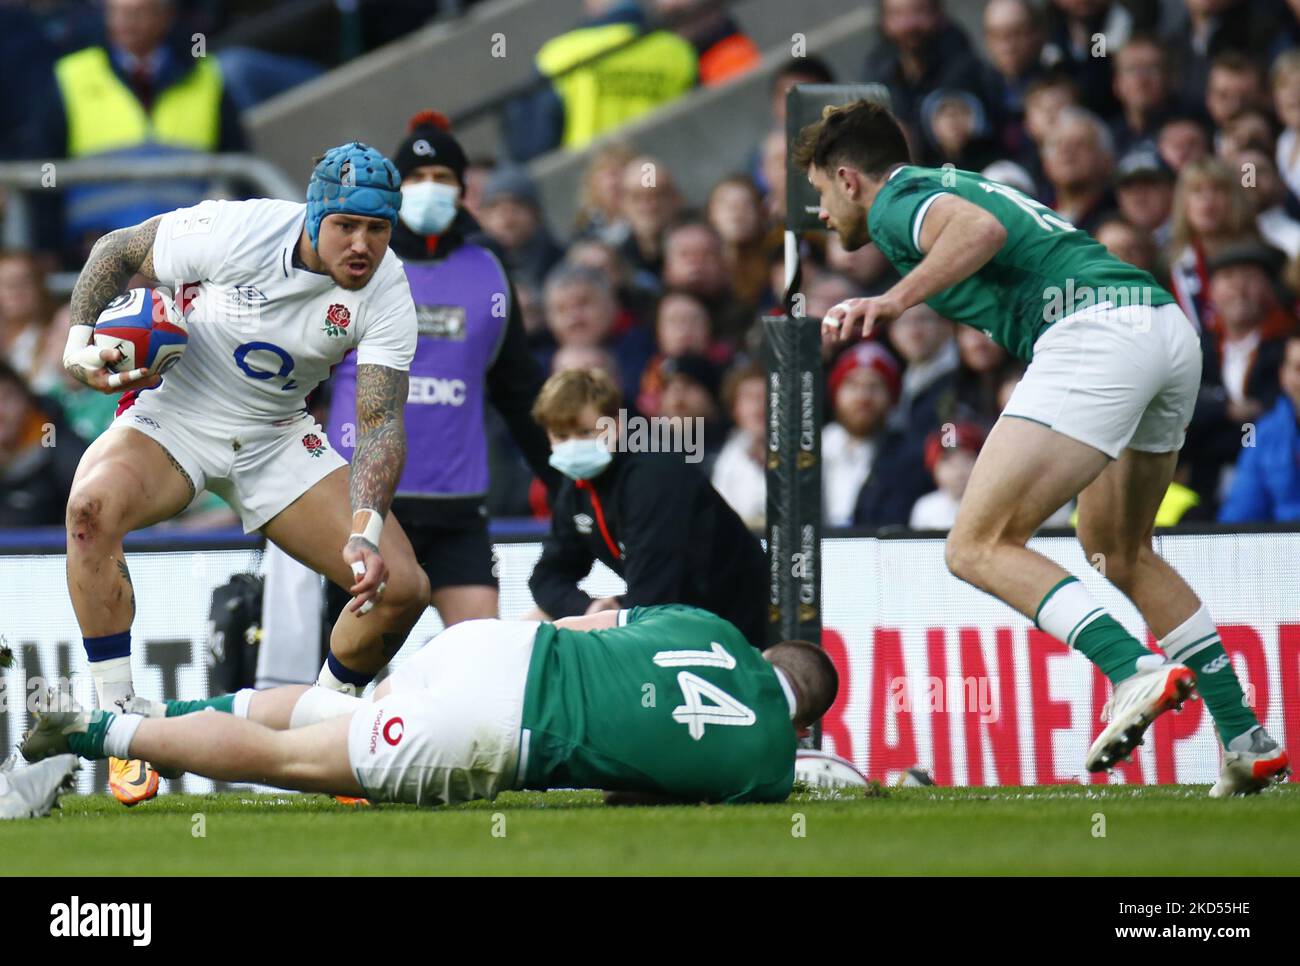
(376, 467)
(113, 261)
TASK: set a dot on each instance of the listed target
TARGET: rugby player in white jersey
(275, 293)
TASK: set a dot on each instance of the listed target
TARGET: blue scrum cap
(354, 179)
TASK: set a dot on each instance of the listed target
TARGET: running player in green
(1114, 369)
(665, 703)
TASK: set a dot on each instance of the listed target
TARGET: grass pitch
(1164, 830)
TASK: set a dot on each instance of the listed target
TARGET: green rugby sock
(1196, 643)
(224, 702)
(1071, 614)
(90, 743)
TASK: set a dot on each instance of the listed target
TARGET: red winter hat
(967, 436)
(871, 354)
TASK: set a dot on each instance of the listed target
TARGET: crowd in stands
(1170, 129)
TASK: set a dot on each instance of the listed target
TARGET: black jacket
(666, 532)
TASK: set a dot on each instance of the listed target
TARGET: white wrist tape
(80, 350)
(374, 526)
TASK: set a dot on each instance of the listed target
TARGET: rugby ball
(824, 771)
(146, 327)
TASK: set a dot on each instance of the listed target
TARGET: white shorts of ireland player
(451, 728)
(258, 469)
(1114, 378)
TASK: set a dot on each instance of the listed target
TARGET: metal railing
(226, 170)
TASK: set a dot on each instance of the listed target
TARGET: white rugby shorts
(258, 469)
(450, 730)
(1114, 378)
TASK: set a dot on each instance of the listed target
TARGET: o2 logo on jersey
(286, 363)
(394, 730)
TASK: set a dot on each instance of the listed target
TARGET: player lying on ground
(1114, 369)
(665, 702)
(275, 294)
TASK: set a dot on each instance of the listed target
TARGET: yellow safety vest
(613, 90)
(104, 114)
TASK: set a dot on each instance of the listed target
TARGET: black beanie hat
(429, 141)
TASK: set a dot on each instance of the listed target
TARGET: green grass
(1168, 830)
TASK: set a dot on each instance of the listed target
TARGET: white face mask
(428, 207)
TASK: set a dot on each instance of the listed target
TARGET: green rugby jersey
(1047, 269)
(675, 701)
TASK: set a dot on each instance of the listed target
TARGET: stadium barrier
(934, 673)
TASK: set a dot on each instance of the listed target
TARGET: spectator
(1012, 175)
(796, 70)
(1211, 28)
(690, 391)
(871, 474)
(38, 457)
(740, 471)
(723, 49)
(636, 294)
(1251, 128)
(580, 311)
(772, 162)
(955, 130)
(599, 206)
(1078, 157)
(1286, 102)
(143, 93)
(864, 385)
(1144, 192)
(1128, 243)
(25, 312)
(1013, 37)
(1182, 139)
(978, 378)
(25, 55)
(1143, 90)
(1236, 84)
(1241, 357)
(682, 327)
(1265, 196)
(1209, 212)
(949, 458)
(735, 210)
(650, 203)
(824, 290)
(694, 262)
(512, 217)
(580, 98)
(1045, 99)
(866, 268)
(585, 357)
(920, 50)
(1080, 34)
(477, 173)
(1266, 486)
(651, 517)
(924, 340)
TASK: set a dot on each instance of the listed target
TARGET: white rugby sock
(243, 700)
(321, 704)
(1190, 637)
(117, 740)
(1067, 611)
(112, 681)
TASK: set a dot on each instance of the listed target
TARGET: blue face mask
(580, 459)
(428, 207)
